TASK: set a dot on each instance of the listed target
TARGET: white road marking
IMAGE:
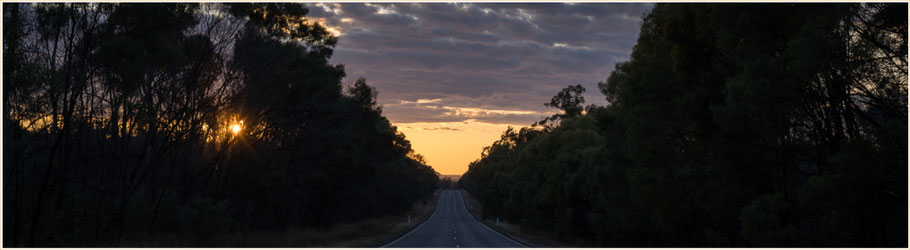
(421, 224)
(485, 225)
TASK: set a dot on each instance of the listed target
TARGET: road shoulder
(511, 231)
(419, 213)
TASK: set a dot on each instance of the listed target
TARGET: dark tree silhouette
(763, 125)
(569, 100)
(188, 125)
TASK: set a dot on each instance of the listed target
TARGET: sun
(236, 127)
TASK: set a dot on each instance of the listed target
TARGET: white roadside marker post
(409, 221)
(497, 221)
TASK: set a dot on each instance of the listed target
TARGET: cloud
(442, 128)
(424, 110)
(461, 127)
(495, 63)
(420, 101)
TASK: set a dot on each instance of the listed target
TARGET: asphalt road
(452, 226)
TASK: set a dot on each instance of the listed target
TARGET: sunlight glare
(236, 127)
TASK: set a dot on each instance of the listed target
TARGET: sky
(453, 76)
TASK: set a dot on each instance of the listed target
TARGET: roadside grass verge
(367, 233)
(516, 232)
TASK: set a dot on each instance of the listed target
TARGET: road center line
(421, 224)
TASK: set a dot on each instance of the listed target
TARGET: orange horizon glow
(450, 146)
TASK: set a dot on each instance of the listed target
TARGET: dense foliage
(175, 124)
(730, 125)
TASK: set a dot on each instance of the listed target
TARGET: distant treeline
(135, 125)
(731, 125)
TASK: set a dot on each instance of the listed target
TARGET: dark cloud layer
(475, 57)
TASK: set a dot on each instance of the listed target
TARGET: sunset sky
(452, 77)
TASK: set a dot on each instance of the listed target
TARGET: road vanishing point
(452, 226)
